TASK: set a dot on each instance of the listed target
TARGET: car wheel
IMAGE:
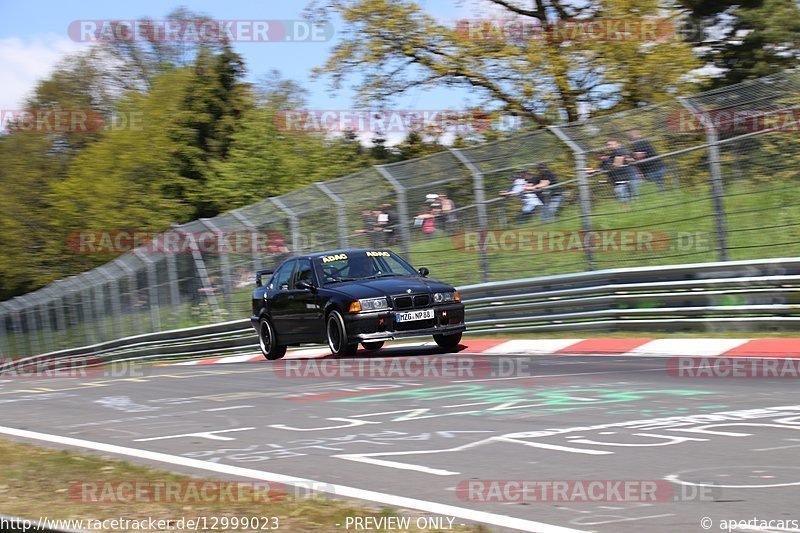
(376, 345)
(337, 336)
(267, 341)
(447, 341)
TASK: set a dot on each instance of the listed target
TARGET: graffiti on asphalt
(478, 400)
(300, 447)
(606, 439)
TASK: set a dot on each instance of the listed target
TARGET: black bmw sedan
(347, 297)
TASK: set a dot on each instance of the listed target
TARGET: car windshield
(365, 264)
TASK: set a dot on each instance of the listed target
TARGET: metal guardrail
(752, 295)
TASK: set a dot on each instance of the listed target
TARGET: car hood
(371, 288)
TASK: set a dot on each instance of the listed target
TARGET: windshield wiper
(386, 275)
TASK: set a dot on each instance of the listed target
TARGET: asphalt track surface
(538, 418)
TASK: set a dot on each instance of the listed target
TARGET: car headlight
(374, 304)
(444, 297)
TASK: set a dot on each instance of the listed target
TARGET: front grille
(402, 302)
(415, 301)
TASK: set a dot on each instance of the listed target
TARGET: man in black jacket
(546, 182)
(642, 148)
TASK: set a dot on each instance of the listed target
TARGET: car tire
(448, 341)
(267, 341)
(336, 334)
(375, 345)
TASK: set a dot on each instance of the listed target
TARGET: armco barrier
(749, 295)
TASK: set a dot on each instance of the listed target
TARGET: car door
(279, 305)
(305, 312)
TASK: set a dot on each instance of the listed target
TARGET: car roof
(345, 251)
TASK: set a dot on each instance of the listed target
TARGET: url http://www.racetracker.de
(750, 524)
(198, 523)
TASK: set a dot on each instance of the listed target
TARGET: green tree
(394, 46)
(746, 39)
(212, 108)
(27, 222)
(127, 180)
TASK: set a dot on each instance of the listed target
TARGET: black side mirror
(260, 274)
(304, 284)
(423, 271)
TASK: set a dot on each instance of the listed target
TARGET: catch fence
(712, 177)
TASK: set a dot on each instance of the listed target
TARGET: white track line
(532, 346)
(688, 347)
(336, 490)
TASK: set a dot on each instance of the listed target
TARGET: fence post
(402, 209)
(583, 191)
(116, 306)
(17, 328)
(294, 224)
(341, 215)
(174, 288)
(133, 288)
(480, 200)
(152, 289)
(62, 317)
(41, 310)
(4, 353)
(91, 313)
(28, 307)
(47, 326)
(714, 166)
(202, 272)
(224, 262)
(254, 238)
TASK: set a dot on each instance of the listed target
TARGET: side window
(303, 271)
(281, 278)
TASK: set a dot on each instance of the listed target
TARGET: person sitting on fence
(643, 149)
(520, 187)
(546, 183)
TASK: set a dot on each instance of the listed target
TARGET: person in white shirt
(522, 188)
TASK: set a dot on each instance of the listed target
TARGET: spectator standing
(546, 182)
(520, 187)
(426, 221)
(448, 212)
(642, 148)
(620, 173)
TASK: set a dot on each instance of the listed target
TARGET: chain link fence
(711, 177)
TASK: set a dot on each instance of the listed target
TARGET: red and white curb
(775, 347)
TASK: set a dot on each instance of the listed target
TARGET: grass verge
(36, 481)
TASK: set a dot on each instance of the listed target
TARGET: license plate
(409, 316)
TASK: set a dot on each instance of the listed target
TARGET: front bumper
(382, 326)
